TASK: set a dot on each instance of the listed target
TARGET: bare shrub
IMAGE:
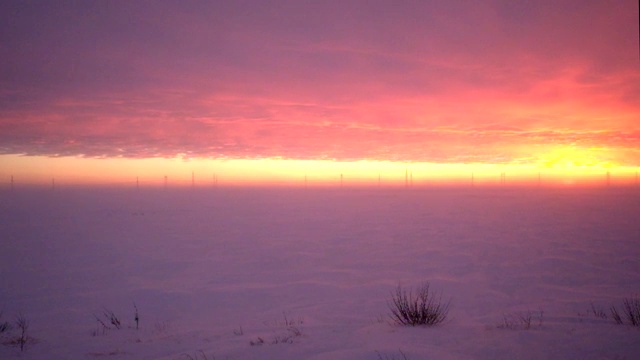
(23, 327)
(162, 327)
(382, 356)
(5, 326)
(238, 332)
(521, 320)
(101, 327)
(110, 320)
(598, 311)
(107, 353)
(630, 311)
(285, 331)
(113, 319)
(421, 308)
(287, 337)
(615, 315)
(199, 355)
(20, 339)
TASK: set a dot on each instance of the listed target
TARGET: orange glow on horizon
(563, 166)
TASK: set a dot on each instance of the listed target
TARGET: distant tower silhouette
(137, 183)
(608, 179)
(539, 179)
(165, 181)
(341, 180)
(11, 182)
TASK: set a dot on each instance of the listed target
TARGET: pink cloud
(419, 81)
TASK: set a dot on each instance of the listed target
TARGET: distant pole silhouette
(305, 181)
(411, 179)
(11, 182)
(378, 179)
(215, 180)
(137, 183)
(539, 179)
(165, 181)
(53, 184)
(608, 179)
(341, 180)
(406, 178)
(636, 178)
(193, 180)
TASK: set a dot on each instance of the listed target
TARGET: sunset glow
(319, 93)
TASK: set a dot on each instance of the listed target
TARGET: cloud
(421, 81)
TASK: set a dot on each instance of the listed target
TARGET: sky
(251, 90)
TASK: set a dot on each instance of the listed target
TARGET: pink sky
(491, 82)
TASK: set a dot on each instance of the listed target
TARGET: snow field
(215, 270)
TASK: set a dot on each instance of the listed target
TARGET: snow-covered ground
(212, 271)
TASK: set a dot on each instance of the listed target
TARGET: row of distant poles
(408, 180)
(193, 180)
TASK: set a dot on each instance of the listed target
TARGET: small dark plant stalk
(136, 317)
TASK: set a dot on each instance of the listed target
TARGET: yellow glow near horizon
(560, 166)
(573, 158)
